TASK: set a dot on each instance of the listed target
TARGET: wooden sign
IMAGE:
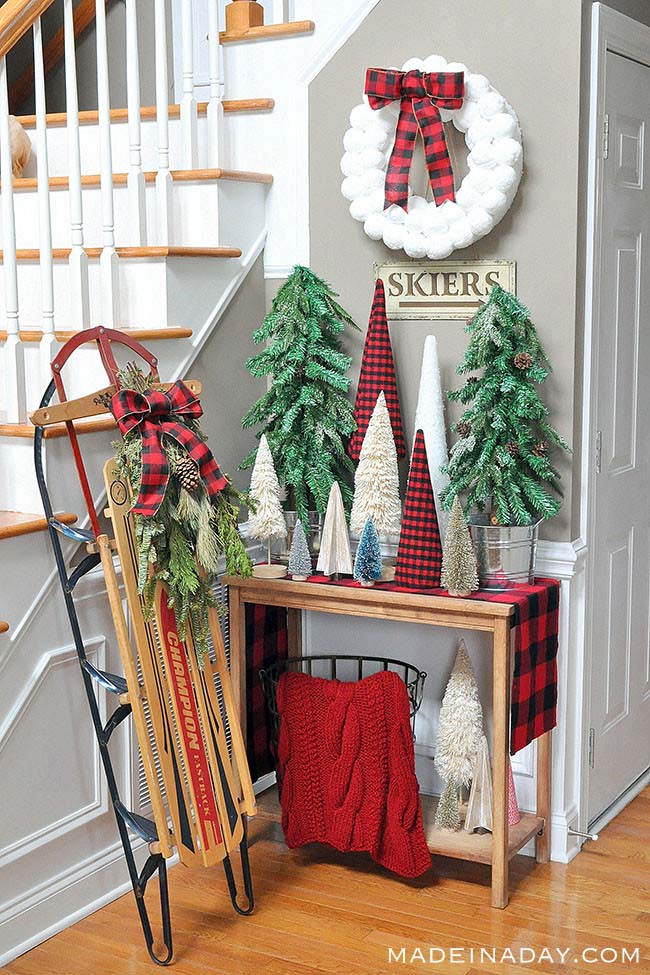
(441, 289)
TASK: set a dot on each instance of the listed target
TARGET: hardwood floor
(321, 912)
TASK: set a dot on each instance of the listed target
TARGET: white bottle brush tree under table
(460, 729)
(267, 522)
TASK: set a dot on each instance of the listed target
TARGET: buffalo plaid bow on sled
(422, 95)
(156, 412)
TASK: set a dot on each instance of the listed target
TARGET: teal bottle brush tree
(502, 458)
(305, 413)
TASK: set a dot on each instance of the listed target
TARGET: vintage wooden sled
(185, 716)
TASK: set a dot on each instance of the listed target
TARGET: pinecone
(540, 449)
(523, 360)
(188, 474)
(472, 380)
(513, 448)
(463, 429)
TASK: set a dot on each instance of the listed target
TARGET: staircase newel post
(108, 262)
(135, 179)
(48, 341)
(163, 176)
(78, 260)
(14, 357)
(188, 102)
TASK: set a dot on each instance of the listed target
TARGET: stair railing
(17, 17)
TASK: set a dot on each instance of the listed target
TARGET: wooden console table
(490, 617)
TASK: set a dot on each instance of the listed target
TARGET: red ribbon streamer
(154, 413)
(422, 96)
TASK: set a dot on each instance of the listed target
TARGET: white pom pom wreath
(493, 140)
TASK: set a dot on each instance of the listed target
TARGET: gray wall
(228, 389)
(531, 53)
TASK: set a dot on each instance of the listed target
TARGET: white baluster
(78, 260)
(188, 102)
(14, 359)
(280, 11)
(215, 105)
(163, 176)
(135, 180)
(108, 259)
(48, 341)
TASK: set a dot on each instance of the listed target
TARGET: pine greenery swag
(501, 459)
(306, 415)
(181, 544)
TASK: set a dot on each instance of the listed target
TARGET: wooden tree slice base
(367, 583)
(454, 592)
(299, 578)
(265, 571)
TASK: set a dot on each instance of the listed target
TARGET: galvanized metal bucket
(505, 554)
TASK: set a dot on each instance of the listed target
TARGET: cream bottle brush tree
(267, 521)
(459, 570)
(376, 482)
(460, 728)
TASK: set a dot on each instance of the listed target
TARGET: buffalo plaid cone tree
(377, 374)
(419, 556)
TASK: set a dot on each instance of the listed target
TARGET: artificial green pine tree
(501, 459)
(306, 415)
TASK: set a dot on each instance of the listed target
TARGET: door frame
(611, 32)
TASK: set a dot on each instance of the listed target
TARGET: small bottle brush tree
(376, 482)
(300, 566)
(460, 728)
(501, 460)
(367, 564)
(459, 570)
(305, 413)
(266, 521)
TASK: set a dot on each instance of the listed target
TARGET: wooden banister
(16, 17)
(84, 14)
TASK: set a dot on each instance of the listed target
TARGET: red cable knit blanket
(348, 769)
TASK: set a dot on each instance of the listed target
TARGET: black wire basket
(336, 667)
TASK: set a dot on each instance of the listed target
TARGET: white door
(620, 687)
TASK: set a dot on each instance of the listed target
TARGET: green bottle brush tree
(305, 414)
(501, 460)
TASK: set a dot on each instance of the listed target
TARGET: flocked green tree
(501, 459)
(306, 415)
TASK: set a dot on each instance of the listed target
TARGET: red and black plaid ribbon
(155, 413)
(419, 555)
(533, 709)
(422, 96)
(377, 374)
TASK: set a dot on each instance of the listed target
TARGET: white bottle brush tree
(376, 482)
(300, 566)
(460, 729)
(267, 521)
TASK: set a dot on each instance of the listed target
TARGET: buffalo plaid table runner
(266, 642)
(534, 685)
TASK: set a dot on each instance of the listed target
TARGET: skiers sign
(447, 290)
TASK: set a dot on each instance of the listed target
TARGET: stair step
(13, 523)
(142, 334)
(120, 179)
(137, 253)
(147, 112)
(26, 431)
(269, 32)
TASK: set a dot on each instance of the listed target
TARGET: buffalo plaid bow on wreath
(421, 95)
(156, 413)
